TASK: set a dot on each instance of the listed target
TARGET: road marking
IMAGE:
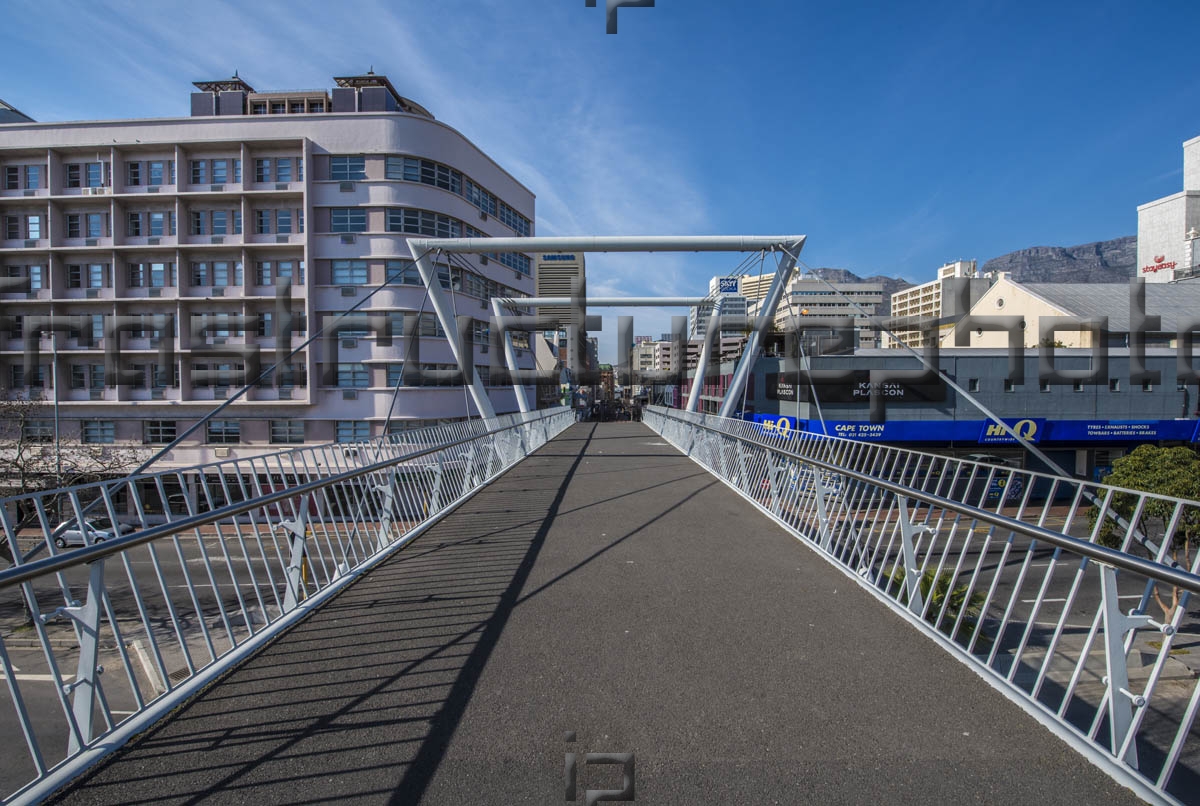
(37, 678)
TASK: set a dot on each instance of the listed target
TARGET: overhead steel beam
(767, 315)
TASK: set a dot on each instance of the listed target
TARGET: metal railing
(1071, 598)
(186, 572)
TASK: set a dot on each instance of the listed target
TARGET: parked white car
(98, 529)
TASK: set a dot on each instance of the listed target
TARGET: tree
(1172, 472)
(29, 462)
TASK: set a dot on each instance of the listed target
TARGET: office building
(928, 302)
(136, 235)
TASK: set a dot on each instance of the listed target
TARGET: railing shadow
(363, 697)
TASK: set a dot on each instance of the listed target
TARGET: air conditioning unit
(285, 394)
(220, 393)
(345, 239)
(349, 344)
(346, 187)
(155, 342)
(158, 394)
(350, 453)
(281, 185)
(349, 394)
(152, 189)
(482, 215)
(217, 188)
(349, 291)
(96, 394)
(153, 241)
(217, 341)
(30, 193)
(218, 292)
(283, 238)
(218, 239)
(93, 293)
(155, 292)
(221, 453)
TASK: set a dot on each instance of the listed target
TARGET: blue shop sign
(1030, 429)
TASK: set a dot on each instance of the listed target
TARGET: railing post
(823, 525)
(86, 684)
(387, 490)
(435, 497)
(1121, 701)
(909, 532)
(298, 529)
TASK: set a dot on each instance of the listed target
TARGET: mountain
(1112, 261)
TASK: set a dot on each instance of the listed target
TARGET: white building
(733, 312)
(188, 228)
(810, 298)
(928, 301)
(1169, 228)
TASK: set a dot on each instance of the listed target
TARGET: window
(423, 222)
(237, 171)
(220, 224)
(220, 172)
(269, 273)
(134, 224)
(316, 106)
(151, 275)
(515, 221)
(292, 374)
(159, 378)
(158, 432)
(283, 222)
(287, 432)
(395, 375)
(218, 274)
(74, 174)
(1114, 384)
(353, 430)
(74, 225)
(262, 169)
(219, 374)
(278, 107)
(262, 222)
(33, 225)
(98, 432)
(258, 108)
(347, 169)
(95, 174)
(973, 385)
(162, 223)
(12, 177)
(403, 272)
(296, 108)
(349, 272)
(224, 432)
(283, 170)
(199, 222)
(95, 225)
(12, 227)
(352, 376)
(199, 172)
(348, 219)
(133, 173)
(33, 177)
(38, 430)
(479, 197)
(157, 173)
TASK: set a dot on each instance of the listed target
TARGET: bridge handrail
(1113, 557)
(99, 551)
(919, 532)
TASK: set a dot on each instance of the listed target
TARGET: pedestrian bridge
(685, 610)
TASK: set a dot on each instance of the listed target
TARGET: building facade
(157, 266)
(1169, 228)
(928, 302)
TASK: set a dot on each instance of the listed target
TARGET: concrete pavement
(610, 588)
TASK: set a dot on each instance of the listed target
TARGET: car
(988, 459)
(68, 533)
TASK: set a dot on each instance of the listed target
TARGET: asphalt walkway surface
(609, 588)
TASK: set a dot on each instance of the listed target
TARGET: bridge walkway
(610, 588)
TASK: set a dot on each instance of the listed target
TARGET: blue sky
(896, 139)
